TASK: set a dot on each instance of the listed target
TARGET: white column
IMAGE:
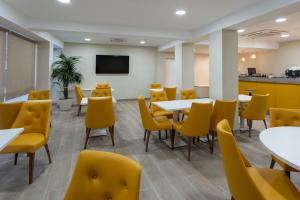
(223, 72)
(178, 66)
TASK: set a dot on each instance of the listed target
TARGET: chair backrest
(240, 183)
(257, 108)
(39, 95)
(8, 114)
(198, 121)
(79, 94)
(101, 93)
(155, 85)
(34, 117)
(157, 96)
(188, 94)
(100, 113)
(223, 110)
(104, 175)
(147, 120)
(103, 86)
(284, 117)
(171, 93)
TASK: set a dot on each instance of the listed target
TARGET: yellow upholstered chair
(34, 117)
(171, 93)
(79, 96)
(8, 114)
(196, 125)
(150, 123)
(256, 110)
(103, 86)
(155, 85)
(247, 182)
(39, 95)
(100, 114)
(101, 93)
(159, 96)
(284, 117)
(222, 110)
(187, 94)
(104, 175)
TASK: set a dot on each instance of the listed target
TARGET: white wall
(44, 61)
(142, 68)
(201, 70)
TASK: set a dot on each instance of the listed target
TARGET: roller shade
(2, 62)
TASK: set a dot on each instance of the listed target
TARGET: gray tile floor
(166, 174)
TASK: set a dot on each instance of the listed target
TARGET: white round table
(283, 143)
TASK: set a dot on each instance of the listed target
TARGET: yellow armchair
(159, 96)
(284, 117)
(150, 123)
(103, 86)
(34, 117)
(155, 85)
(104, 175)
(101, 93)
(8, 114)
(79, 96)
(100, 114)
(39, 95)
(247, 182)
(187, 94)
(171, 93)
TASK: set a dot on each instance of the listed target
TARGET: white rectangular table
(91, 89)
(8, 135)
(156, 89)
(84, 100)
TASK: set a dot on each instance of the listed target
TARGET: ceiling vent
(118, 40)
(263, 33)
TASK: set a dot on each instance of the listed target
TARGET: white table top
(8, 135)
(244, 98)
(283, 143)
(84, 100)
(156, 89)
(90, 89)
(18, 99)
(180, 104)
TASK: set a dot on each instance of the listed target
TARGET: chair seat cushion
(274, 184)
(163, 123)
(284, 166)
(186, 111)
(162, 113)
(25, 143)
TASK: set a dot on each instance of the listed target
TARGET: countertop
(282, 80)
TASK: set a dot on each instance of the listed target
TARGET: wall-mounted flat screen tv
(112, 64)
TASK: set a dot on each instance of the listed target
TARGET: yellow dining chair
(222, 110)
(150, 123)
(256, 110)
(103, 86)
(101, 93)
(155, 97)
(8, 114)
(247, 182)
(39, 95)
(34, 117)
(171, 93)
(196, 125)
(100, 114)
(79, 96)
(104, 175)
(284, 117)
(187, 94)
(155, 85)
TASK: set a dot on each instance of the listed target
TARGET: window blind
(2, 62)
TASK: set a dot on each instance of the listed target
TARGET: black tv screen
(112, 64)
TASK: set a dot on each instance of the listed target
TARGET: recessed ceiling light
(241, 30)
(180, 12)
(64, 1)
(243, 59)
(280, 20)
(284, 35)
(142, 42)
(253, 56)
(88, 39)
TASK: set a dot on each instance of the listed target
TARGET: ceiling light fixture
(88, 39)
(64, 1)
(253, 56)
(180, 12)
(284, 35)
(280, 20)
(241, 30)
(243, 59)
(142, 42)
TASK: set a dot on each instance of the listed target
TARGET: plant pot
(65, 104)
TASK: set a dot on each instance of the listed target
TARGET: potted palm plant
(65, 73)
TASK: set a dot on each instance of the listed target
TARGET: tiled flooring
(166, 174)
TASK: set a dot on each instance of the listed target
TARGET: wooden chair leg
(209, 143)
(16, 158)
(272, 163)
(147, 140)
(79, 110)
(249, 122)
(88, 130)
(172, 139)
(265, 123)
(112, 135)
(166, 134)
(48, 153)
(189, 148)
(212, 142)
(145, 135)
(31, 166)
(194, 140)
(159, 134)
(182, 117)
(232, 198)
